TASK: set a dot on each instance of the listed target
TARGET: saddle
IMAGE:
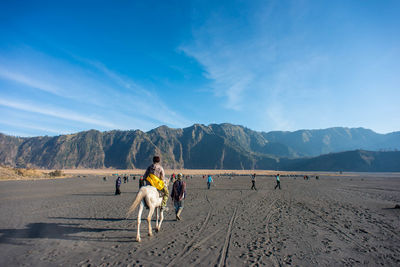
(155, 181)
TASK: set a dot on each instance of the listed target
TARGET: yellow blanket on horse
(155, 181)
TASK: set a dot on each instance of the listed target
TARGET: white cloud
(58, 113)
(145, 102)
(91, 88)
(29, 81)
(230, 77)
(136, 99)
(31, 126)
(253, 69)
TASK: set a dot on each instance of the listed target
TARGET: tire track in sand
(189, 246)
(268, 232)
(165, 235)
(225, 249)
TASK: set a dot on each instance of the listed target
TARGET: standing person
(209, 181)
(278, 182)
(117, 186)
(154, 176)
(253, 181)
(178, 195)
(141, 182)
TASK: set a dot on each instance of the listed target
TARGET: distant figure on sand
(253, 182)
(178, 195)
(278, 182)
(154, 176)
(141, 182)
(117, 186)
(209, 181)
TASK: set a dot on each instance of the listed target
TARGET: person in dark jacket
(253, 182)
(178, 195)
(117, 186)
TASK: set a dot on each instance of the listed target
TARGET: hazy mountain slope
(358, 160)
(9, 148)
(216, 146)
(318, 142)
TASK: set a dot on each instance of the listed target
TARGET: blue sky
(69, 66)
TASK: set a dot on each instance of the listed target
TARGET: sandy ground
(335, 221)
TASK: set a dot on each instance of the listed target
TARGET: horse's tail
(135, 203)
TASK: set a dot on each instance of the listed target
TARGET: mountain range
(216, 146)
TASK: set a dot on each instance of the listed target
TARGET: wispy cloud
(251, 67)
(29, 81)
(230, 75)
(90, 87)
(58, 113)
(146, 102)
(31, 126)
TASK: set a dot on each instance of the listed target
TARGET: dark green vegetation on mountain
(217, 146)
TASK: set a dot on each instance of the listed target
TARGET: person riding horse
(154, 176)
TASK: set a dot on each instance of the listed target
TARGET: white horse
(153, 200)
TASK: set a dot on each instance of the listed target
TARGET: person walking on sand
(178, 195)
(253, 182)
(154, 176)
(117, 186)
(209, 181)
(278, 182)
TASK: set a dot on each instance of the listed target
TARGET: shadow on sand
(106, 194)
(64, 231)
(108, 219)
(93, 219)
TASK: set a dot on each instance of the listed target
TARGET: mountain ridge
(214, 146)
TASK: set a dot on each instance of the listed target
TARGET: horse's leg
(157, 219)
(161, 219)
(149, 219)
(139, 218)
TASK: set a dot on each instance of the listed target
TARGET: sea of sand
(337, 220)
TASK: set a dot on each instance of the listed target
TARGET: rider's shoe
(164, 209)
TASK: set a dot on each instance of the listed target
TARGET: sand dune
(336, 220)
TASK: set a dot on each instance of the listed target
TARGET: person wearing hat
(178, 195)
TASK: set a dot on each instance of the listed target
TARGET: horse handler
(154, 176)
(178, 195)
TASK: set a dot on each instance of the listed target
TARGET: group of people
(253, 182)
(155, 176)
